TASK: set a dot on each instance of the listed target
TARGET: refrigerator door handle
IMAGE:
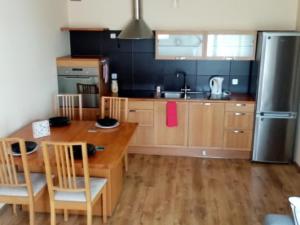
(279, 115)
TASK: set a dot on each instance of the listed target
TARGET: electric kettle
(215, 84)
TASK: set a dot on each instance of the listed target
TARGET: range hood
(137, 28)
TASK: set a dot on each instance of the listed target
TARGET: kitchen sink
(190, 95)
(172, 94)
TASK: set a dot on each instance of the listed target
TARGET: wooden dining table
(108, 163)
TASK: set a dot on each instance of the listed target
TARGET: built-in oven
(80, 80)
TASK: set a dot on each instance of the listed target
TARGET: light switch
(113, 36)
(235, 81)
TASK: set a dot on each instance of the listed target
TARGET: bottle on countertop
(114, 83)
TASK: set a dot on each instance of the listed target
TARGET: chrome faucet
(185, 88)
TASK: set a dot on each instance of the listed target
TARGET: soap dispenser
(114, 83)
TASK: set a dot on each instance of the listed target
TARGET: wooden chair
(66, 105)
(117, 108)
(114, 107)
(71, 192)
(18, 188)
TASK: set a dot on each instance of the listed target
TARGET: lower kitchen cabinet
(241, 120)
(141, 112)
(238, 126)
(214, 127)
(171, 136)
(238, 140)
(206, 124)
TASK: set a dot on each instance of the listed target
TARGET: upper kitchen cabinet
(231, 45)
(179, 45)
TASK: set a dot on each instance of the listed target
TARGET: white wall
(30, 40)
(191, 14)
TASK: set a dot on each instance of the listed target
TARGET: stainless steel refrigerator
(277, 86)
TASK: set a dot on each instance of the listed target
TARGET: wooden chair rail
(65, 105)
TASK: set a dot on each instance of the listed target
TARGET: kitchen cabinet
(238, 126)
(205, 45)
(206, 124)
(205, 128)
(141, 112)
(170, 136)
(230, 45)
(179, 45)
(238, 139)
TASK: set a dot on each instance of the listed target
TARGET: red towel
(171, 114)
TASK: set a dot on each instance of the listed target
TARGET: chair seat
(38, 181)
(274, 219)
(96, 185)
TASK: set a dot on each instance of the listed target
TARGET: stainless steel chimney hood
(137, 28)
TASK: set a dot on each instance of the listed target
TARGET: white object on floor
(295, 205)
(2, 205)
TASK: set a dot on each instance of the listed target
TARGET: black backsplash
(134, 62)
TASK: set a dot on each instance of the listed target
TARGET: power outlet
(235, 81)
(113, 36)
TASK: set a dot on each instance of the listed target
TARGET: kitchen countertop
(150, 95)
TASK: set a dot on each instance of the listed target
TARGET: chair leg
(104, 205)
(31, 214)
(15, 209)
(53, 215)
(126, 161)
(89, 214)
(66, 215)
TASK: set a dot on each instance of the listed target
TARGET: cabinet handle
(239, 114)
(207, 104)
(132, 110)
(238, 131)
(240, 105)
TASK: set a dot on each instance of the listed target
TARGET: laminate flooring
(164, 190)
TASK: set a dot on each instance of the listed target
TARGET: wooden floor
(190, 191)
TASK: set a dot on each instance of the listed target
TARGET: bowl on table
(59, 121)
(31, 147)
(107, 123)
(91, 150)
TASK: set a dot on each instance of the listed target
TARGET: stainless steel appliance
(277, 96)
(76, 76)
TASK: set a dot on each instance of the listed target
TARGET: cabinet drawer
(240, 107)
(140, 104)
(238, 120)
(143, 117)
(238, 139)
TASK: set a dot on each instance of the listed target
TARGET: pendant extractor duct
(137, 28)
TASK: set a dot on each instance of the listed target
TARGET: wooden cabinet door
(144, 134)
(238, 139)
(173, 136)
(178, 45)
(231, 45)
(206, 124)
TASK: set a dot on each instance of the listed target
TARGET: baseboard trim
(191, 152)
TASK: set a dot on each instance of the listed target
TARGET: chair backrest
(114, 107)
(66, 105)
(8, 172)
(87, 89)
(59, 160)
